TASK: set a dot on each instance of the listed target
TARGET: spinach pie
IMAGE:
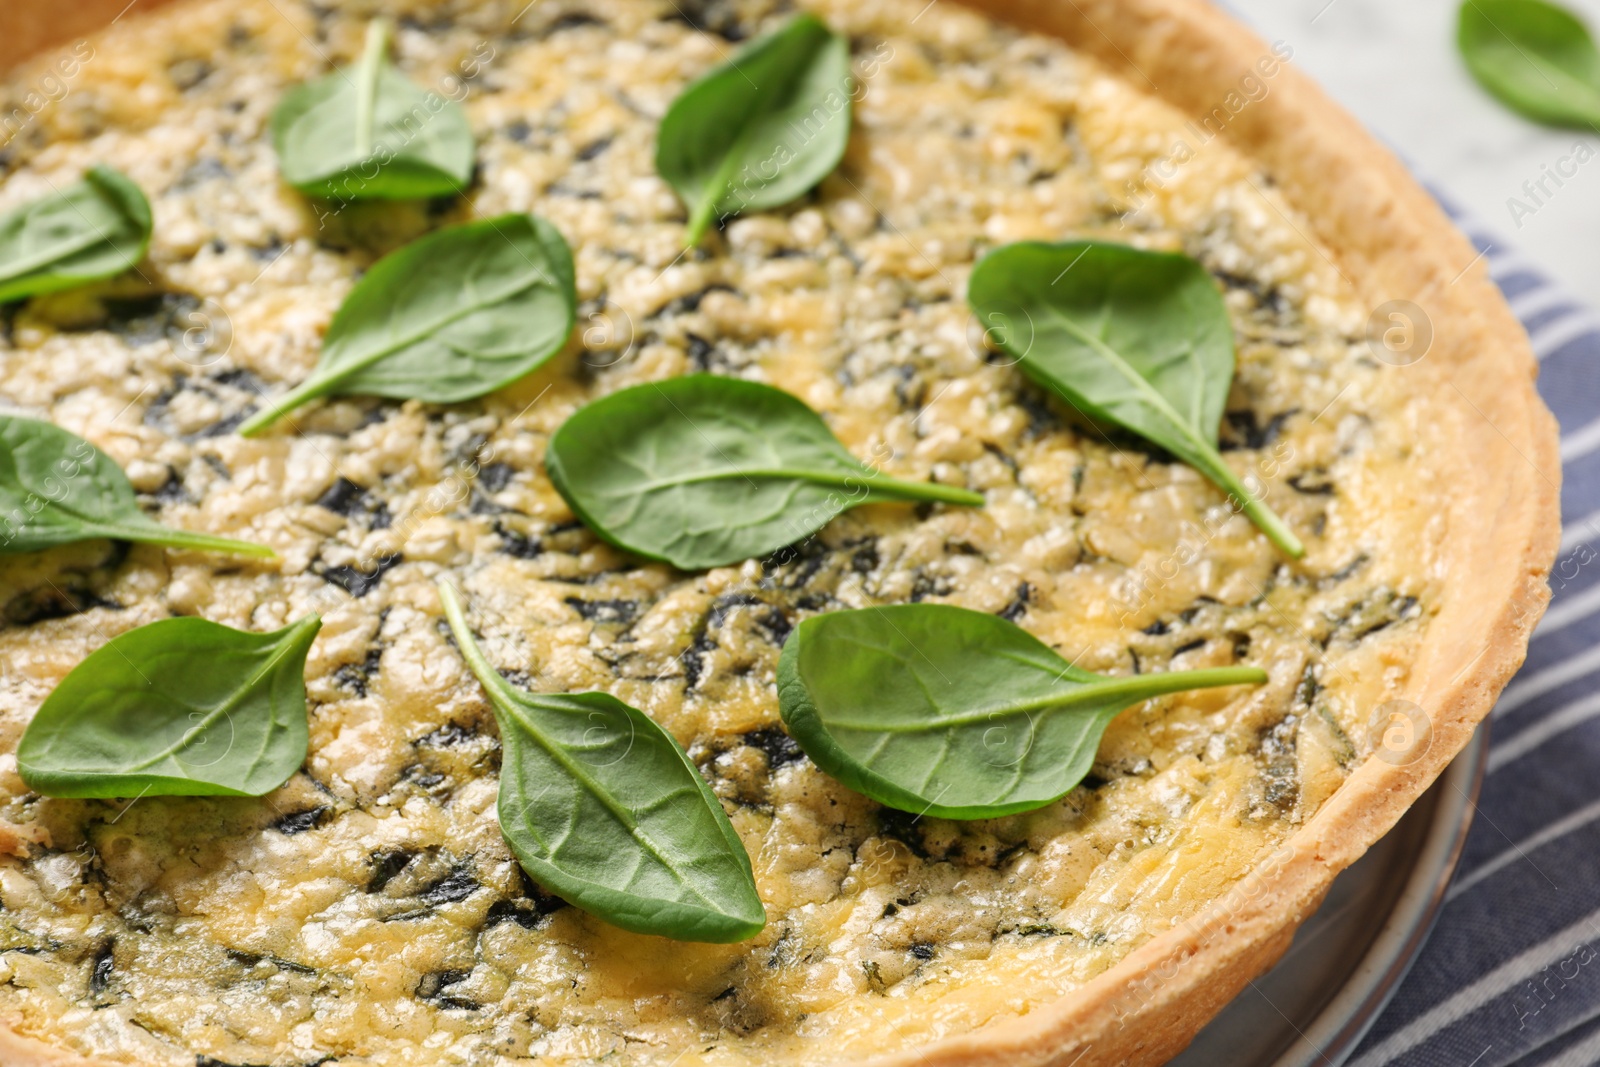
(716, 532)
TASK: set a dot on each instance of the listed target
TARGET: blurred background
(1394, 64)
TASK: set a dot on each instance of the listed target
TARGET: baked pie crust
(1476, 428)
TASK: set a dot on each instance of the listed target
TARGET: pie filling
(369, 911)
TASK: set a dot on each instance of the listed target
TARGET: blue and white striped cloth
(1511, 974)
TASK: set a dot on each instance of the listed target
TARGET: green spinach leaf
(181, 707)
(367, 133)
(92, 229)
(761, 129)
(1140, 339)
(1536, 57)
(57, 488)
(603, 807)
(704, 471)
(450, 317)
(942, 711)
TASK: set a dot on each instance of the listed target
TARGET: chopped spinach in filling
(369, 912)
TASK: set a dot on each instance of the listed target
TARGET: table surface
(1394, 64)
(1531, 862)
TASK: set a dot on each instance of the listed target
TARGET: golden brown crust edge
(1505, 519)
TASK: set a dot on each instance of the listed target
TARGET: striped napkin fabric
(1511, 973)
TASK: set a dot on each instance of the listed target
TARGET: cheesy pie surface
(369, 911)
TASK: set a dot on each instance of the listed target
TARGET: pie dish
(368, 912)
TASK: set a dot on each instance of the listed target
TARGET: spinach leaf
(367, 133)
(761, 129)
(1536, 57)
(57, 488)
(181, 707)
(704, 471)
(1141, 339)
(603, 807)
(92, 229)
(452, 316)
(942, 711)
